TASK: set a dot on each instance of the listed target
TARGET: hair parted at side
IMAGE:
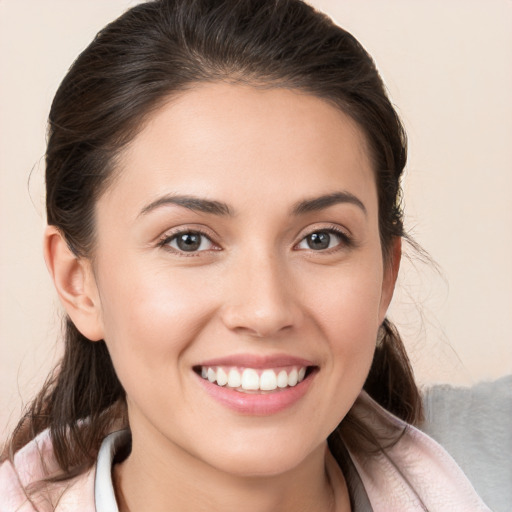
(156, 50)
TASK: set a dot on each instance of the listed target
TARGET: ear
(75, 284)
(391, 268)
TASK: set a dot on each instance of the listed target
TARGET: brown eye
(189, 241)
(318, 241)
(324, 239)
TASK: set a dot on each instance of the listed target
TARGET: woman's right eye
(188, 241)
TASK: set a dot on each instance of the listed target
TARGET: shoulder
(415, 473)
(29, 468)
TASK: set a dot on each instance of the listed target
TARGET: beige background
(448, 66)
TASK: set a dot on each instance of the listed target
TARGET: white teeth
(282, 379)
(250, 380)
(253, 380)
(234, 379)
(293, 377)
(222, 377)
(268, 380)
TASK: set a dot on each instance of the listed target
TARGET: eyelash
(346, 241)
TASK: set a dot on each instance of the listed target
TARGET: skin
(255, 287)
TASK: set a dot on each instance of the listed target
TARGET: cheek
(150, 316)
(347, 301)
(345, 307)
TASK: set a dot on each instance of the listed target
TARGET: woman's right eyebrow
(194, 203)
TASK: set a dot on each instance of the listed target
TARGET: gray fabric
(359, 500)
(475, 426)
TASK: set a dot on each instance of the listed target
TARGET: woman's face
(240, 245)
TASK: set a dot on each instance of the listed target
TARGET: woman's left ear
(391, 268)
(74, 281)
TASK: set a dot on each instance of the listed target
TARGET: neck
(154, 479)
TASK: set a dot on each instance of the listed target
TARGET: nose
(261, 300)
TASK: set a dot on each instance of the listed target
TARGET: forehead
(232, 141)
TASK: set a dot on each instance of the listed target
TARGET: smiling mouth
(251, 380)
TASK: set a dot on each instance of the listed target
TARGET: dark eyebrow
(319, 203)
(197, 204)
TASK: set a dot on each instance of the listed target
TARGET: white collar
(104, 495)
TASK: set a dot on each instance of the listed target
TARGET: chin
(256, 459)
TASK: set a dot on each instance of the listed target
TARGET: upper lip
(258, 361)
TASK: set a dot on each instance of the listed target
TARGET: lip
(258, 361)
(258, 404)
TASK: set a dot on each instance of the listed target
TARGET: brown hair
(151, 52)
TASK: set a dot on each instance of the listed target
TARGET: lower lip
(257, 404)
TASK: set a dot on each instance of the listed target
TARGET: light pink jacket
(416, 474)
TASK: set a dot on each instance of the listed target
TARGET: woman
(224, 233)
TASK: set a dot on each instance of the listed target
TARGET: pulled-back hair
(152, 52)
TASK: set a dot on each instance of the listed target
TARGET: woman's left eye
(188, 241)
(322, 240)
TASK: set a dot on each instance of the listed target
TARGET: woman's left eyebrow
(325, 201)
